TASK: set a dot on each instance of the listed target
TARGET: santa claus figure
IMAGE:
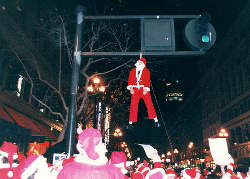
(139, 86)
(8, 160)
(91, 161)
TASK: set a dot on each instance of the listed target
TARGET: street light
(118, 132)
(169, 153)
(223, 133)
(96, 80)
(96, 87)
(176, 151)
(190, 145)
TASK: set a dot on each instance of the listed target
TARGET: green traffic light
(205, 38)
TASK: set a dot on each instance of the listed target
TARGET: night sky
(185, 69)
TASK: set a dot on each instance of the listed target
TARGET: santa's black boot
(156, 123)
(130, 126)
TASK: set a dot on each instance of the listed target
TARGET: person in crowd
(171, 174)
(119, 159)
(8, 160)
(91, 162)
(144, 170)
(191, 173)
(34, 167)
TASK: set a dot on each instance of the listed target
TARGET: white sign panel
(219, 150)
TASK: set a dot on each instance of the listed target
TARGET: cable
(164, 125)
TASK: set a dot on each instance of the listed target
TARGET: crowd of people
(92, 163)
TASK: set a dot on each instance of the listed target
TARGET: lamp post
(96, 87)
(118, 132)
(114, 144)
(175, 154)
(223, 133)
(190, 147)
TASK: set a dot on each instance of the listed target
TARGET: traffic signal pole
(71, 127)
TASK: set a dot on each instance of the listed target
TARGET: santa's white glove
(132, 91)
(144, 91)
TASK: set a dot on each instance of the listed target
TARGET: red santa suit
(139, 81)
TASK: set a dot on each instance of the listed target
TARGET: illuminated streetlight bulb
(96, 80)
(90, 89)
(176, 151)
(102, 89)
(190, 145)
(223, 130)
(129, 155)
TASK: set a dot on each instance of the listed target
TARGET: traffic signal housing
(199, 34)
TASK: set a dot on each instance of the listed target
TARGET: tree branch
(50, 110)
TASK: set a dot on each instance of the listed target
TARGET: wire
(164, 125)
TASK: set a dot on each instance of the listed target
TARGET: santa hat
(143, 60)
(89, 139)
(143, 168)
(30, 165)
(21, 157)
(230, 169)
(9, 150)
(171, 172)
(189, 173)
(118, 157)
(206, 172)
(68, 160)
(156, 173)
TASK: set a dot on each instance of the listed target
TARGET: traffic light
(199, 34)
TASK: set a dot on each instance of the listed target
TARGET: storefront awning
(37, 128)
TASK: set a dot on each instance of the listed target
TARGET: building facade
(225, 88)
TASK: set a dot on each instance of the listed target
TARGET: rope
(164, 125)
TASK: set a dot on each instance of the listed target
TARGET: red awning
(5, 116)
(37, 128)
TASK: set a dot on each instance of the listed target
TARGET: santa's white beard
(139, 66)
